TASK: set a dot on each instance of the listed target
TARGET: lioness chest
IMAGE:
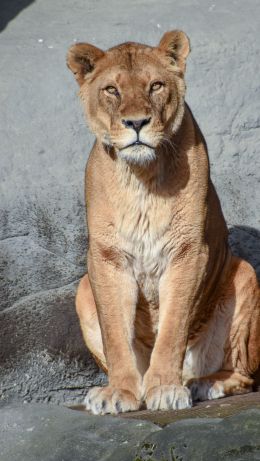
(144, 227)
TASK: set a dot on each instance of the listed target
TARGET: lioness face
(133, 94)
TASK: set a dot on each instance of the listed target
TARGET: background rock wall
(45, 144)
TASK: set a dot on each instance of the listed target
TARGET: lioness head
(133, 94)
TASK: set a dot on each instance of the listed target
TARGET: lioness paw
(102, 400)
(170, 397)
(206, 390)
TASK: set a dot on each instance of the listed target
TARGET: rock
(45, 144)
(235, 438)
(52, 433)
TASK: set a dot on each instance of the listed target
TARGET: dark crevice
(9, 237)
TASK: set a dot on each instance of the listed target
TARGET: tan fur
(165, 308)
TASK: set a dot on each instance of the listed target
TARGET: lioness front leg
(115, 294)
(162, 383)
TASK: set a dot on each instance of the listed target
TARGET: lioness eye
(156, 86)
(112, 90)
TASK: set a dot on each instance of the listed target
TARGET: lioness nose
(137, 125)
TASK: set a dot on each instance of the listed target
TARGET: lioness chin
(165, 309)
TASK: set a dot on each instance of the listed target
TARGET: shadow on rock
(10, 9)
(245, 243)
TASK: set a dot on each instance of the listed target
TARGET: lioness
(165, 308)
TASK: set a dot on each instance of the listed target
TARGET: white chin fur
(137, 155)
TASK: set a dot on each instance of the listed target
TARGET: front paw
(168, 397)
(102, 400)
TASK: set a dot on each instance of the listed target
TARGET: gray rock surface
(45, 145)
(51, 433)
(236, 438)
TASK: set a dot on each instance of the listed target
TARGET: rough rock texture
(51, 433)
(44, 148)
(236, 438)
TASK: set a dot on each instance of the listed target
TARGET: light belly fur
(143, 223)
(147, 260)
(207, 355)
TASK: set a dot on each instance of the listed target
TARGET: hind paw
(205, 390)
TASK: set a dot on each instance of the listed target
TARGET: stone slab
(53, 433)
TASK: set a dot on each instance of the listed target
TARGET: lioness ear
(176, 45)
(81, 59)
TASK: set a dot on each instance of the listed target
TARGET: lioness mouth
(137, 143)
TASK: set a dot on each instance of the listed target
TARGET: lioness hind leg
(220, 384)
(87, 312)
(242, 346)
